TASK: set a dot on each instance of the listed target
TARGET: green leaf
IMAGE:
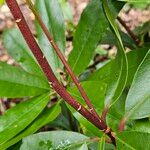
(52, 16)
(15, 82)
(90, 30)
(83, 147)
(140, 5)
(134, 59)
(120, 73)
(142, 125)
(102, 143)
(116, 112)
(66, 10)
(18, 49)
(1, 2)
(97, 98)
(138, 99)
(126, 39)
(52, 140)
(97, 101)
(142, 29)
(135, 1)
(48, 115)
(133, 141)
(19, 117)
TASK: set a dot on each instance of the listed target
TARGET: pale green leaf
(102, 143)
(15, 82)
(52, 140)
(48, 115)
(18, 49)
(52, 16)
(138, 99)
(19, 117)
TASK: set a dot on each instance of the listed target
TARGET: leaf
(135, 1)
(133, 140)
(19, 117)
(52, 16)
(102, 143)
(18, 49)
(66, 10)
(90, 30)
(120, 73)
(126, 39)
(96, 93)
(116, 112)
(44, 118)
(142, 29)
(52, 140)
(96, 96)
(1, 2)
(140, 5)
(138, 99)
(142, 125)
(15, 82)
(83, 147)
(134, 59)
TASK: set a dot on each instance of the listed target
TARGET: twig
(26, 32)
(132, 35)
(62, 58)
(104, 113)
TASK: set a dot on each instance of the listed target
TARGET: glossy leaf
(48, 115)
(133, 140)
(15, 82)
(52, 140)
(116, 112)
(19, 117)
(52, 16)
(96, 93)
(66, 10)
(134, 59)
(138, 99)
(83, 147)
(142, 125)
(126, 39)
(18, 49)
(90, 30)
(120, 73)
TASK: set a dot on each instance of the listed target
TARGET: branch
(24, 28)
(132, 35)
(62, 58)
